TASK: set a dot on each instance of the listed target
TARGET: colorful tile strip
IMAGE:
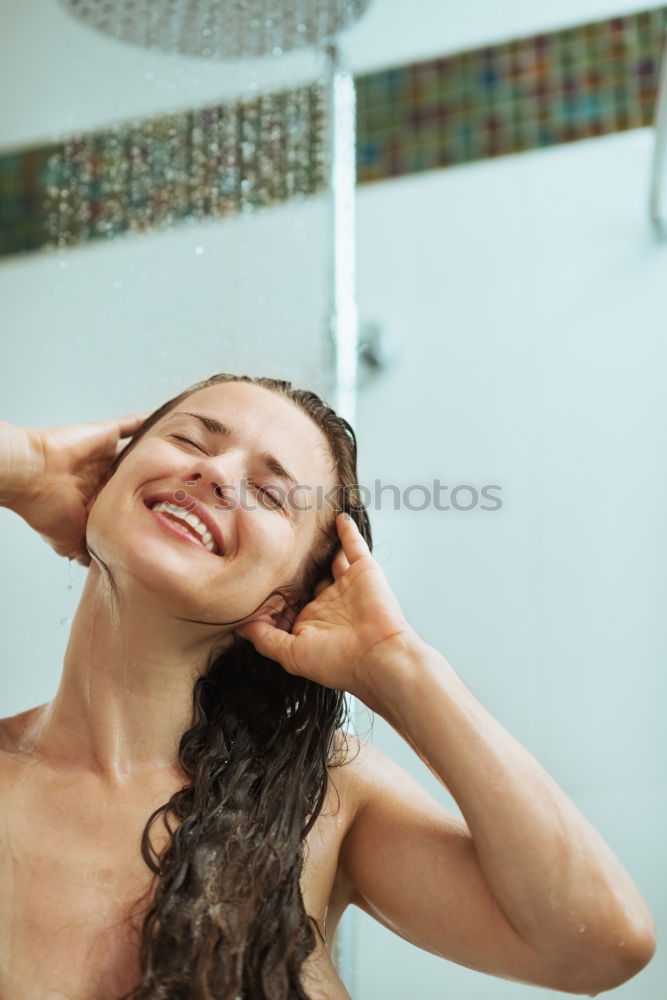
(158, 173)
(524, 94)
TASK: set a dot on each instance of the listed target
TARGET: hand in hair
(51, 477)
(332, 637)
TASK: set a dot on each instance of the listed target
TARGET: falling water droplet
(69, 574)
(65, 621)
(199, 250)
(582, 928)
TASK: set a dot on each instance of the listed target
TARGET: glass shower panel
(148, 280)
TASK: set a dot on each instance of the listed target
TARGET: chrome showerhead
(219, 29)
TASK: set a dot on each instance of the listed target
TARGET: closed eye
(179, 437)
(275, 501)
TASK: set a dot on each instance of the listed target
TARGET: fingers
(117, 427)
(354, 545)
(339, 564)
(268, 640)
(121, 427)
(131, 422)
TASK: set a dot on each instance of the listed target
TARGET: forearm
(555, 879)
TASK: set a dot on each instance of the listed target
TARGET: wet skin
(80, 775)
(71, 876)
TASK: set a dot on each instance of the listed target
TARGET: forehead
(267, 422)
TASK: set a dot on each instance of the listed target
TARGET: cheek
(100, 515)
(269, 544)
(268, 548)
(111, 507)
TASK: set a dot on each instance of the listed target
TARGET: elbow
(606, 969)
(628, 960)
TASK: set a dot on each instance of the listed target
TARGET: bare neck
(125, 694)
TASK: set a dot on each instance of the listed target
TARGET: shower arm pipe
(341, 347)
(660, 148)
(343, 326)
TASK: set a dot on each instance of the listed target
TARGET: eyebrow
(216, 427)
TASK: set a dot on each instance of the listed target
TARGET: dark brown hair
(227, 918)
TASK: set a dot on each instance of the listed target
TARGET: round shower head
(219, 29)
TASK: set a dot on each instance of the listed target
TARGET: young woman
(186, 818)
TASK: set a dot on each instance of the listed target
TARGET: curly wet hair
(226, 918)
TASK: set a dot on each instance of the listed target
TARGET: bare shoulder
(347, 766)
(356, 771)
(365, 787)
(364, 770)
(12, 728)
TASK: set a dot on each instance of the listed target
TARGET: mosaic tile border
(525, 94)
(160, 172)
(520, 95)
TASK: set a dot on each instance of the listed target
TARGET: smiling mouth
(187, 524)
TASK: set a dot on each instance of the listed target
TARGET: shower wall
(527, 297)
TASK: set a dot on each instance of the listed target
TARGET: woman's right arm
(50, 477)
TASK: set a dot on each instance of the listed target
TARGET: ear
(282, 614)
(284, 619)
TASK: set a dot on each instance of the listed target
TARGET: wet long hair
(227, 918)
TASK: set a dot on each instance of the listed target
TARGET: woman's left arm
(525, 888)
(579, 922)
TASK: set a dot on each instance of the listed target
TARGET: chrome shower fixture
(219, 29)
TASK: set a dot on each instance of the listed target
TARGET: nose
(225, 496)
(218, 479)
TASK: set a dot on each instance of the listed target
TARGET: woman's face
(216, 455)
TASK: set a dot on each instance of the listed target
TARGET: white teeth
(196, 523)
(189, 518)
